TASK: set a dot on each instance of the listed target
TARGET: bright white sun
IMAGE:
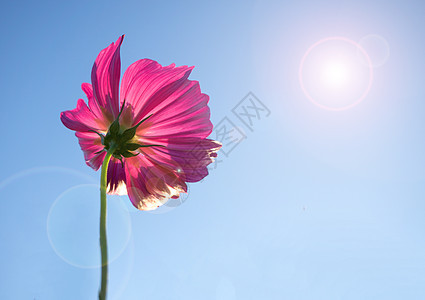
(335, 74)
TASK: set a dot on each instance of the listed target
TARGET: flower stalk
(102, 229)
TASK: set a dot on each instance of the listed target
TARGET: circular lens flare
(377, 47)
(332, 76)
(72, 226)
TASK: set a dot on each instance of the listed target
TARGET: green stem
(103, 240)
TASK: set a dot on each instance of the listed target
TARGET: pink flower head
(158, 121)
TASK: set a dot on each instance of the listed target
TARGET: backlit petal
(184, 113)
(80, 118)
(105, 79)
(116, 178)
(90, 143)
(188, 156)
(145, 84)
(150, 185)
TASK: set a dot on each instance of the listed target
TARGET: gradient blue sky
(312, 205)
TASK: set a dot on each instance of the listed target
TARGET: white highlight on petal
(121, 189)
(151, 202)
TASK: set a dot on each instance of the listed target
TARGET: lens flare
(72, 227)
(333, 76)
(377, 47)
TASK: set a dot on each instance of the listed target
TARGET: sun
(333, 75)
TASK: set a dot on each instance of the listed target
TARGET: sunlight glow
(333, 74)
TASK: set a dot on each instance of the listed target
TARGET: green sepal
(132, 146)
(137, 125)
(114, 129)
(152, 146)
(122, 107)
(131, 132)
(128, 154)
(100, 151)
(102, 137)
(128, 134)
(120, 159)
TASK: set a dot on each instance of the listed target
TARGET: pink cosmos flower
(160, 133)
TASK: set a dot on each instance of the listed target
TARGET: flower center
(120, 142)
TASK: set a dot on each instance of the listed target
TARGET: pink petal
(189, 156)
(184, 113)
(105, 78)
(150, 185)
(90, 143)
(193, 155)
(80, 118)
(100, 117)
(145, 84)
(116, 178)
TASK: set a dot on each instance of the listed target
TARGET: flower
(156, 125)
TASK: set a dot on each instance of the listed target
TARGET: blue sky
(313, 204)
